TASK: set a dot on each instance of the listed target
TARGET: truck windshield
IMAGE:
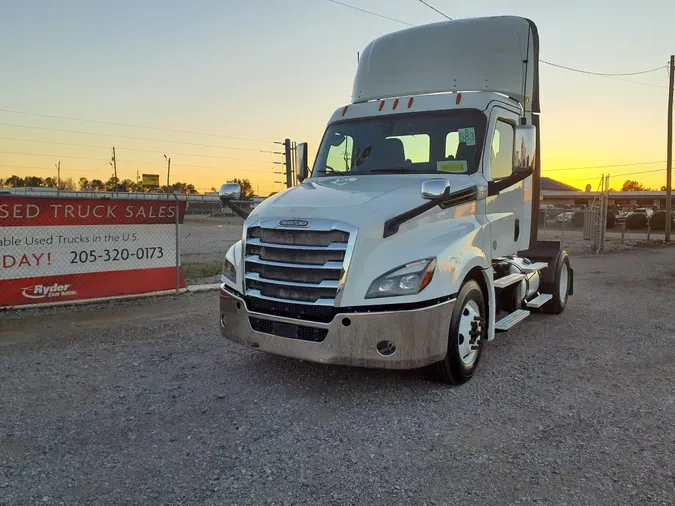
(425, 143)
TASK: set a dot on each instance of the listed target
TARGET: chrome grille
(294, 265)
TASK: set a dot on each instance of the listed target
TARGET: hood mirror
(230, 191)
(435, 189)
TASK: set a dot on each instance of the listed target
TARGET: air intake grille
(295, 266)
(289, 331)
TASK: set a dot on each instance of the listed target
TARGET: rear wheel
(560, 287)
(467, 335)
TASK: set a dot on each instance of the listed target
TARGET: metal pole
(177, 243)
(669, 163)
(115, 167)
(58, 178)
(289, 167)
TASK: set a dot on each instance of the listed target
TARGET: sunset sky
(224, 71)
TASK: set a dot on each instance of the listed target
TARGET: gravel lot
(143, 403)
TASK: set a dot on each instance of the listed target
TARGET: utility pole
(114, 160)
(168, 172)
(289, 164)
(58, 178)
(669, 163)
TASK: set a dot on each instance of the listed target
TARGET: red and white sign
(54, 249)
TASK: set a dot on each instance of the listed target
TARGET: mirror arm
(235, 208)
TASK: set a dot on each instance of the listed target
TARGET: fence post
(623, 231)
(177, 243)
(649, 232)
(563, 228)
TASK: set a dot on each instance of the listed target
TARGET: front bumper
(419, 336)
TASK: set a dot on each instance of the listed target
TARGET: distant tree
(126, 185)
(83, 183)
(33, 182)
(2, 182)
(50, 182)
(632, 186)
(67, 184)
(246, 188)
(14, 181)
(112, 184)
(213, 189)
(97, 185)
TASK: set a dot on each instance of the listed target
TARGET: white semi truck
(413, 239)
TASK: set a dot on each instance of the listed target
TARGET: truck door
(504, 207)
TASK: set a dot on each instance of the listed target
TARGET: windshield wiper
(394, 170)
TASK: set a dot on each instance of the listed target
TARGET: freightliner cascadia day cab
(413, 239)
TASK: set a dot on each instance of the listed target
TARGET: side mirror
(524, 148)
(230, 191)
(302, 169)
(435, 189)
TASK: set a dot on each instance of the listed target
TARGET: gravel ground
(144, 403)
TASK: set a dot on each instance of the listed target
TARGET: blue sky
(269, 70)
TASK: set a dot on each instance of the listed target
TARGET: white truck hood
(356, 200)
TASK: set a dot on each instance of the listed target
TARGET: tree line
(636, 186)
(111, 185)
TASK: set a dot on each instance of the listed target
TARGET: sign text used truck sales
(72, 249)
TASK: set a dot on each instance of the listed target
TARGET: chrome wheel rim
(469, 332)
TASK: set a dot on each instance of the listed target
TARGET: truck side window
(501, 165)
(340, 156)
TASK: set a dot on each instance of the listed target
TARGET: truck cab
(412, 240)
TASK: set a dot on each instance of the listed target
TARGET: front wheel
(467, 335)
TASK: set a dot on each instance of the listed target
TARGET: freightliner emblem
(294, 223)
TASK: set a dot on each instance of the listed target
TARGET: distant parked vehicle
(565, 217)
(638, 219)
(658, 220)
(647, 211)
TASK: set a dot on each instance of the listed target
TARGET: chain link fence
(205, 236)
(61, 248)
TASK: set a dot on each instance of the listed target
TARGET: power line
(603, 166)
(436, 10)
(622, 175)
(64, 156)
(604, 74)
(133, 126)
(133, 138)
(130, 149)
(371, 13)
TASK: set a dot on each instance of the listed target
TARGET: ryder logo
(44, 291)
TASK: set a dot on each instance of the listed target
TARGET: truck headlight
(230, 263)
(407, 279)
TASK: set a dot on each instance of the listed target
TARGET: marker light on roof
(381, 105)
(344, 111)
(458, 99)
(395, 103)
(410, 102)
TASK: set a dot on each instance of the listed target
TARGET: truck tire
(461, 361)
(560, 286)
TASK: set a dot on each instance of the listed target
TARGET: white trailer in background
(414, 239)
